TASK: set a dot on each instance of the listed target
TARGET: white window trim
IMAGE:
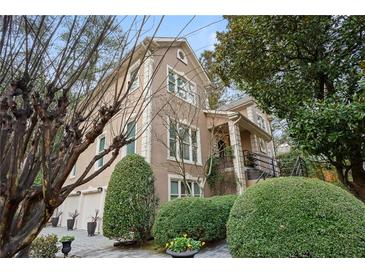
(73, 172)
(179, 178)
(131, 69)
(187, 79)
(191, 162)
(124, 148)
(184, 60)
(97, 149)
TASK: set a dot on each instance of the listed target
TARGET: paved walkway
(101, 247)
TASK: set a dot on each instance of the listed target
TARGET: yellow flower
(203, 243)
(167, 245)
(171, 243)
(189, 245)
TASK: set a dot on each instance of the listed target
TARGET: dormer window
(182, 56)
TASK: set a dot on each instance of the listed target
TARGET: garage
(69, 206)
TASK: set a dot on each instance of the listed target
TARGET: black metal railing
(300, 168)
(266, 164)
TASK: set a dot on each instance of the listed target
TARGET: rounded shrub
(130, 202)
(202, 219)
(44, 246)
(296, 217)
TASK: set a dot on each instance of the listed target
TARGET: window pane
(186, 151)
(174, 189)
(185, 191)
(196, 190)
(172, 130)
(73, 171)
(172, 140)
(101, 144)
(131, 131)
(101, 162)
(133, 76)
(172, 147)
(193, 137)
(195, 154)
(172, 84)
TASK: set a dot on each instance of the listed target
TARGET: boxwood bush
(130, 202)
(202, 219)
(296, 217)
(44, 247)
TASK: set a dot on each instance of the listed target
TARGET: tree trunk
(24, 253)
(358, 175)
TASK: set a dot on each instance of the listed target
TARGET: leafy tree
(54, 73)
(207, 59)
(130, 203)
(310, 71)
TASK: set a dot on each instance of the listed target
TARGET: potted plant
(183, 247)
(71, 222)
(54, 220)
(91, 226)
(66, 244)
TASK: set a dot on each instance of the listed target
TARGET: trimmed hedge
(202, 219)
(296, 217)
(130, 202)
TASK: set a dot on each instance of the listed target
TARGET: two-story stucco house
(177, 94)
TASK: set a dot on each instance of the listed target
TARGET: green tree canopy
(309, 71)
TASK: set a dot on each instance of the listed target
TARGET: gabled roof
(178, 41)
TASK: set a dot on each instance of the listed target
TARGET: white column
(239, 168)
(147, 114)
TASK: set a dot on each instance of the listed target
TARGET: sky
(204, 29)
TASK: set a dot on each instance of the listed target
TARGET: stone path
(101, 247)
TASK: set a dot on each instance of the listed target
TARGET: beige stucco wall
(177, 109)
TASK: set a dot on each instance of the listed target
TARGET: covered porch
(242, 147)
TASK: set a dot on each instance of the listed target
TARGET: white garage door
(90, 203)
(70, 205)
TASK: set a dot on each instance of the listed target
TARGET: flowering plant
(181, 244)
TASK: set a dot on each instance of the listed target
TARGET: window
(181, 87)
(263, 146)
(183, 142)
(73, 172)
(133, 76)
(131, 131)
(179, 189)
(261, 122)
(182, 56)
(100, 149)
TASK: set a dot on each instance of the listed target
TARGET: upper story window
(131, 131)
(182, 56)
(180, 189)
(100, 148)
(261, 122)
(133, 79)
(183, 142)
(263, 145)
(181, 87)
